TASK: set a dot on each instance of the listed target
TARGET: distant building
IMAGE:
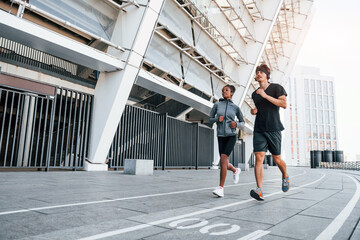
(310, 119)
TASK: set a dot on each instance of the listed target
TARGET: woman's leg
(227, 148)
(224, 162)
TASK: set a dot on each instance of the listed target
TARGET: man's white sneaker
(236, 175)
(219, 192)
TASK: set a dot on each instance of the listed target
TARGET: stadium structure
(85, 84)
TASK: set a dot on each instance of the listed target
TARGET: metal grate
(26, 125)
(44, 131)
(71, 129)
(141, 135)
(137, 136)
(21, 55)
(341, 165)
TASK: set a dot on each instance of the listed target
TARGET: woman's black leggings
(226, 145)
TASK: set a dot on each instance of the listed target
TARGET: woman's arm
(213, 112)
(240, 123)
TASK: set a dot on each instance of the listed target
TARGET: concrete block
(95, 166)
(139, 166)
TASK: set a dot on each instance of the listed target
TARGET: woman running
(223, 113)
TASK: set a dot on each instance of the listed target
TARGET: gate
(40, 130)
(26, 126)
(138, 136)
(71, 129)
(171, 143)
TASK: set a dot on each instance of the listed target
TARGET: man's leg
(281, 164)
(259, 168)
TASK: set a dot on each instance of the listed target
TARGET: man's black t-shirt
(268, 117)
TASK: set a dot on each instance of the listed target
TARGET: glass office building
(311, 117)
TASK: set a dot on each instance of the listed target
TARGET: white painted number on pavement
(205, 229)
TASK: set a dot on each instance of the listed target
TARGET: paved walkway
(178, 204)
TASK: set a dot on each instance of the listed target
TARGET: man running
(268, 99)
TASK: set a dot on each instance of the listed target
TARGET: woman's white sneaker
(219, 192)
(236, 175)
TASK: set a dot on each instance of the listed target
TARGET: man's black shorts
(226, 145)
(264, 141)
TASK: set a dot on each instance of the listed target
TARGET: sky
(333, 45)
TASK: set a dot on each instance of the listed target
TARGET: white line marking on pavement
(234, 228)
(255, 235)
(141, 226)
(200, 224)
(129, 198)
(337, 223)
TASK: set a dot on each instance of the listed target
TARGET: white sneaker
(236, 175)
(219, 192)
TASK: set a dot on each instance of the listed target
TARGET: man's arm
(280, 101)
(253, 111)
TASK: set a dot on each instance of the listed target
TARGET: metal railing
(52, 131)
(341, 165)
(237, 155)
(25, 129)
(24, 56)
(138, 136)
(71, 129)
(171, 143)
(44, 131)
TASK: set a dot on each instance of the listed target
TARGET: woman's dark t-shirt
(268, 117)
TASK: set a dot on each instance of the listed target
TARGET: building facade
(74, 66)
(311, 117)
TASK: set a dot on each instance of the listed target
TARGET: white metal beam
(271, 13)
(32, 35)
(157, 84)
(113, 89)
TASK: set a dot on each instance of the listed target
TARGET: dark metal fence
(24, 56)
(206, 146)
(71, 129)
(25, 129)
(52, 131)
(238, 154)
(181, 144)
(143, 134)
(341, 165)
(137, 136)
(43, 131)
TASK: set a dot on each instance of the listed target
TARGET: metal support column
(165, 116)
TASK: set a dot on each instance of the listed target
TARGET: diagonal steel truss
(200, 18)
(235, 20)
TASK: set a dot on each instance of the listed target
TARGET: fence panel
(138, 136)
(141, 135)
(44, 131)
(206, 146)
(26, 126)
(181, 144)
(71, 129)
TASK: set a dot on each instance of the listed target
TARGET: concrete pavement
(178, 204)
